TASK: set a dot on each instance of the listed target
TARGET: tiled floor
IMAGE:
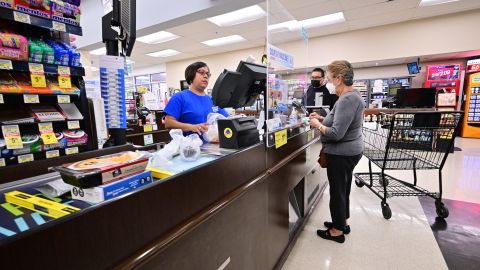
(406, 241)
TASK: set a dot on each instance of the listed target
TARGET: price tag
(73, 124)
(36, 68)
(59, 26)
(148, 139)
(64, 81)
(155, 127)
(53, 153)
(21, 17)
(71, 151)
(38, 80)
(147, 128)
(47, 134)
(2, 162)
(29, 99)
(6, 64)
(142, 89)
(1, 99)
(63, 99)
(310, 135)
(12, 137)
(63, 70)
(280, 138)
(25, 158)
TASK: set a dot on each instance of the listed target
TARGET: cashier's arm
(172, 123)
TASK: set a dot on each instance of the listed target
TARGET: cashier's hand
(314, 123)
(199, 128)
(315, 115)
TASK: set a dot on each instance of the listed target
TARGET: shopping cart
(407, 141)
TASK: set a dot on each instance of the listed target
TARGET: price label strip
(25, 158)
(29, 99)
(6, 64)
(36, 68)
(53, 153)
(21, 17)
(13, 139)
(73, 124)
(47, 134)
(64, 81)
(63, 99)
(1, 99)
(59, 26)
(71, 151)
(37, 75)
(2, 162)
(280, 138)
(63, 70)
(148, 139)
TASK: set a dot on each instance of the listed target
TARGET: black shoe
(325, 234)
(329, 225)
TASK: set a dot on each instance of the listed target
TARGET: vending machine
(447, 80)
(471, 119)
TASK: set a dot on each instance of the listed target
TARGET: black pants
(340, 172)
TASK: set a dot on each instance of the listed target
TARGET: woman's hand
(199, 128)
(315, 115)
(314, 123)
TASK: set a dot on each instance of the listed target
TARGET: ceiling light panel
(425, 3)
(224, 41)
(164, 53)
(158, 37)
(239, 16)
(295, 25)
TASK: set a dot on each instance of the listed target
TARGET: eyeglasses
(203, 73)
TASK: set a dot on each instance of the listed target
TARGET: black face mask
(315, 83)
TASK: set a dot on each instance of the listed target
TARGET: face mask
(315, 83)
(331, 88)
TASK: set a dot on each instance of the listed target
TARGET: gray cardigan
(343, 135)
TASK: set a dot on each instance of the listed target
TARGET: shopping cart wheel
(359, 183)
(442, 211)
(387, 213)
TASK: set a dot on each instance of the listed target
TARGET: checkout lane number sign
(228, 133)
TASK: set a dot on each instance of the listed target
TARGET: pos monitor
(240, 88)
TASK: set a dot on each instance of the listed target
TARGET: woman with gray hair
(342, 143)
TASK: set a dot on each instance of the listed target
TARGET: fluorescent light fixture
(295, 25)
(164, 53)
(238, 16)
(158, 37)
(224, 40)
(425, 3)
(101, 51)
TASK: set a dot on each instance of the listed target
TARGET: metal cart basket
(408, 141)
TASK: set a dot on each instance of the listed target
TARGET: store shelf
(42, 155)
(22, 66)
(8, 14)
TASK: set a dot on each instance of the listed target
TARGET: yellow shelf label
(147, 128)
(63, 99)
(73, 124)
(64, 81)
(1, 99)
(53, 153)
(6, 64)
(2, 162)
(21, 17)
(13, 139)
(59, 26)
(28, 99)
(142, 89)
(47, 134)
(63, 70)
(35, 68)
(25, 158)
(38, 80)
(280, 138)
(71, 151)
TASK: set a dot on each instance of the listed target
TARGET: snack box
(112, 190)
(65, 12)
(40, 8)
(102, 170)
(13, 46)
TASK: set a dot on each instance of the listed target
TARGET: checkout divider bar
(137, 260)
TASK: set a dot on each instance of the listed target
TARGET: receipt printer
(237, 133)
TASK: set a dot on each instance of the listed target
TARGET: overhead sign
(280, 57)
(473, 65)
(443, 73)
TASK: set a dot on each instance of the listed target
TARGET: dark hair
(191, 71)
(343, 69)
(319, 70)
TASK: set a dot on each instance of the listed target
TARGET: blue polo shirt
(188, 107)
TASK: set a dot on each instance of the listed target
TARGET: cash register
(238, 89)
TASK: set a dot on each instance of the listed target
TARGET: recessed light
(101, 51)
(435, 2)
(295, 25)
(164, 53)
(239, 16)
(158, 37)
(224, 40)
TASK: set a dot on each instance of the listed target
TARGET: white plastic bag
(190, 147)
(211, 135)
(164, 155)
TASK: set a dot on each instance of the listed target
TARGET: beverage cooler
(471, 121)
(447, 80)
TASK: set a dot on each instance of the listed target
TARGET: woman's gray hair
(342, 68)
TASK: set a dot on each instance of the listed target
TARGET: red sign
(443, 73)
(473, 68)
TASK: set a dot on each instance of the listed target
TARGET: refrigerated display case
(471, 120)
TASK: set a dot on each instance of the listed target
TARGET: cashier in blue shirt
(188, 110)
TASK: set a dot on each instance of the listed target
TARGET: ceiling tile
(380, 9)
